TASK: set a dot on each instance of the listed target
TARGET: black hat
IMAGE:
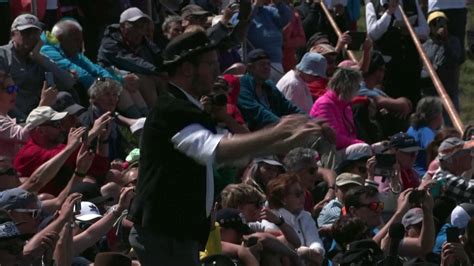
(377, 60)
(230, 218)
(65, 103)
(90, 192)
(404, 142)
(255, 55)
(186, 45)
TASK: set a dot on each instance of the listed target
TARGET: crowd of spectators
(223, 132)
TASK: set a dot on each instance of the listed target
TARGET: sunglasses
(9, 171)
(375, 206)
(34, 212)
(83, 225)
(12, 89)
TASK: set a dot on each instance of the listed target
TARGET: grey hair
(345, 83)
(427, 109)
(169, 20)
(62, 26)
(99, 86)
(299, 158)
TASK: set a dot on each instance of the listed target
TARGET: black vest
(171, 189)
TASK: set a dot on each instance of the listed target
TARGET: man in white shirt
(180, 147)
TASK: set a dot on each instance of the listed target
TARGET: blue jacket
(256, 113)
(84, 69)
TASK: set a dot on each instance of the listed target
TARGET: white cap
(462, 214)
(88, 212)
(132, 14)
(358, 151)
(43, 114)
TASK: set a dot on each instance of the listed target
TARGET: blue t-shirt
(441, 238)
(372, 93)
(424, 136)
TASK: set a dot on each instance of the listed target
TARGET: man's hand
(74, 137)
(67, 209)
(370, 165)
(453, 252)
(84, 160)
(402, 202)
(48, 95)
(392, 6)
(126, 196)
(343, 40)
(43, 249)
(100, 125)
(131, 82)
(304, 134)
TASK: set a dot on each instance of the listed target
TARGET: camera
(218, 95)
(384, 165)
(416, 197)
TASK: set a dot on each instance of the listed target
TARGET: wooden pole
(448, 104)
(34, 7)
(336, 28)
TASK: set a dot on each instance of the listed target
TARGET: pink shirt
(338, 113)
(12, 136)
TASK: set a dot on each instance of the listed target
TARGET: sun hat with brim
(462, 214)
(193, 10)
(412, 217)
(132, 14)
(436, 14)
(313, 64)
(185, 46)
(404, 142)
(231, 218)
(451, 146)
(88, 212)
(65, 103)
(348, 179)
(43, 114)
(26, 21)
(324, 49)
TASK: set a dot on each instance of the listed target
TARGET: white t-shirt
(445, 4)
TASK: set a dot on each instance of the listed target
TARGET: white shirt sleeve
(311, 234)
(422, 30)
(197, 142)
(376, 28)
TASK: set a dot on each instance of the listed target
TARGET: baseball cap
(43, 114)
(404, 142)
(451, 146)
(255, 55)
(26, 21)
(132, 14)
(65, 103)
(434, 15)
(16, 198)
(88, 212)
(231, 218)
(358, 151)
(324, 49)
(313, 64)
(349, 178)
(193, 10)
(462, 214)
(268, 160)
(413, 216)
(90, 192)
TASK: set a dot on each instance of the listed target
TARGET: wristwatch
(281, 222)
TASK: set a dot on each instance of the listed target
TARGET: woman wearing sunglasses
(285, 196)
(13, 135)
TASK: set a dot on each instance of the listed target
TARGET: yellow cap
(434, 15)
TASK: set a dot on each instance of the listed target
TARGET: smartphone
(84, 136)
(384, 165)
(452, 235)
(358, 38)
(77, 206)
(49, 79)
(416, 197)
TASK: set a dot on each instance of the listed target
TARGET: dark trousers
(154, 249)
(457, 20)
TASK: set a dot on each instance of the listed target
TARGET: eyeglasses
(375, 206)
(312, 170)
(9, 171)
(297, 193)
(34, 212)
(12, 89)
(83, 225)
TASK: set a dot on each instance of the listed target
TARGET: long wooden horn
(336, 28)
(448, 104)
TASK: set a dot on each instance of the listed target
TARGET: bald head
(69, 35)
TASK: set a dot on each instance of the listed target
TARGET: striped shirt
(457, 187)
